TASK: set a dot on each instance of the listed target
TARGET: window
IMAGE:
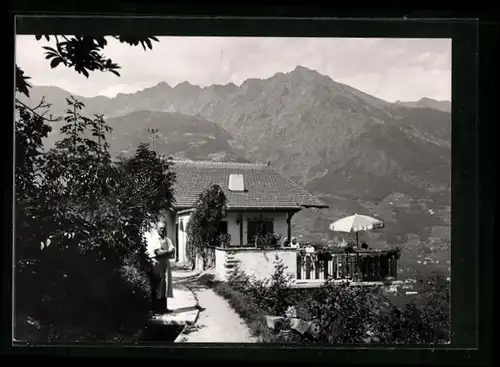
(255, 227)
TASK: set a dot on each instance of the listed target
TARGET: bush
(271, 295)
(82, 297)
(82, 272)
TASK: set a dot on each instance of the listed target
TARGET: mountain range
(425, 102)
(355, 151)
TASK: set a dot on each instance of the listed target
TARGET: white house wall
(168, 218)
(233, 229)
(183, 221)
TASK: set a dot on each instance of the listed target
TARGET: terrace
(357, 266)
(309, 269)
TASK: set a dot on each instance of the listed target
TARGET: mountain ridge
(299, 69)
(327, 136)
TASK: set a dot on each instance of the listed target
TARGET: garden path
(217, 322)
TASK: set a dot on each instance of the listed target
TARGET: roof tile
(265, 187)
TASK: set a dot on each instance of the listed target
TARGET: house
(259, 199)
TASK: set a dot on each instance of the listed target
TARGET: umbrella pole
(357, 240)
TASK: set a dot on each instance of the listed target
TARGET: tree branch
(36, 113)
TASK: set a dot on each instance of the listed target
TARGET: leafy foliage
(79, 250)
(79, 224)
(30, 130)
(267, 240)
(272, 294)
(203, 225)
(345, 314)
(146, 180)
(82, 53)
(223, 240)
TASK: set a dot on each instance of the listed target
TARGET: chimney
(236, 183)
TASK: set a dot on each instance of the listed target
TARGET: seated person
(364, 246)
(286, 242)
(294, 243)
(351, 245)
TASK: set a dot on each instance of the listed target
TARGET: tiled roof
(265, 187)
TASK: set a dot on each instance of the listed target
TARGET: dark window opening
(222, 228)
(255, 227)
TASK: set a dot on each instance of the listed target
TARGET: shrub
(82, 297)
(276, 296)
(79, 224)
(347, 314)
(272, 295)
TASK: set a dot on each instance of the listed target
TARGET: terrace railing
(358, 266)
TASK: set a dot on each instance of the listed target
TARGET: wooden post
(377, 266)
(177, 240)
(289, 225)
(299, 266)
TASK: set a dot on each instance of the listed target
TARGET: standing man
(162, 269)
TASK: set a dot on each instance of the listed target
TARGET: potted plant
(268, 240)
(223, 240)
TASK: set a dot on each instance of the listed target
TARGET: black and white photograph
(175, 189)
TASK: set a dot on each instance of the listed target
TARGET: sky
(388, 68)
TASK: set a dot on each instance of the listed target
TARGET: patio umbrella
(356, 223)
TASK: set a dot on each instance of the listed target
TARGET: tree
(203, 225)
(82, 53)
(79, 258)
(80, 251)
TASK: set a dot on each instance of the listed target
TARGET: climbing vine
(203, 227)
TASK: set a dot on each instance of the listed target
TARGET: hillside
(351, 149)
(179, 136)
(444, 106)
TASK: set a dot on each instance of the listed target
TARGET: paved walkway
(183, 304)
(217, 322)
